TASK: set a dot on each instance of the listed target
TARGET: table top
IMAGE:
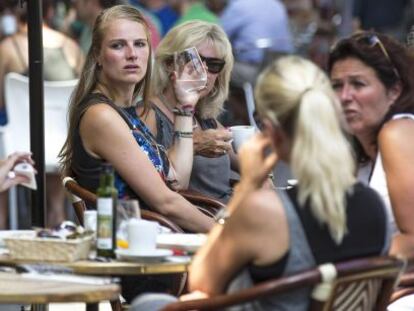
(116, 267)
(17, 288)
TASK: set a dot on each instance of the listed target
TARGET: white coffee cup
(241, 133)
(142, 235)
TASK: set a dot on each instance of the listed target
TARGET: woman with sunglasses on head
(372, 75)
(266, 234)
(213, 152)
(104, 126)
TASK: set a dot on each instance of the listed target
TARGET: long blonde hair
(295, 94)
(90, 75)
(193, 33)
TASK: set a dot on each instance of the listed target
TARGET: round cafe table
(19, 289)
(115, 267)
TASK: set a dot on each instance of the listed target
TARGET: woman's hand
(8, 164)
(212, 143)
(257, 158)
(187, 100)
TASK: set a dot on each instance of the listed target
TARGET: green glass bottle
(106, 206)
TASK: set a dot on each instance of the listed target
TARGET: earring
(98, 65)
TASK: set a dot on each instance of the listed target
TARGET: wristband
(182, 113)
(180, 134)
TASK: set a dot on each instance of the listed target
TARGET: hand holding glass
(191, 75)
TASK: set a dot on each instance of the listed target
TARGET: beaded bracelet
(180, 134)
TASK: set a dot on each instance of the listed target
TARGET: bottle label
(104, 236)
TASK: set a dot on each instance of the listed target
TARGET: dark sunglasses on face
(372, 40)
(214, 65)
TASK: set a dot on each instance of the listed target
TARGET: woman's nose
(131, 51)
(345, 93)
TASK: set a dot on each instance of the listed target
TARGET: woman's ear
(274, 132)
(280, 139)
(394, 92)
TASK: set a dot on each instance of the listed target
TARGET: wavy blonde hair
(90, 75)
(296, 95)
(183, 36)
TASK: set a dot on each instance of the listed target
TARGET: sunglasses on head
(372, 40)
(214, 65)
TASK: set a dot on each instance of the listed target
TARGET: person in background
(7, 180)
(214, 155)
(327, 217)
(63, 60)
(7, 165)
(192, 10)
(104, 126)
(88, 10)
(372, 76)
(165, 13)
(247, 22)
(389, 17)
(8, 20)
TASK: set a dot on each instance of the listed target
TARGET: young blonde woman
(103, 125)
(327, 217)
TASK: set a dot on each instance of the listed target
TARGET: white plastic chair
(16, 133)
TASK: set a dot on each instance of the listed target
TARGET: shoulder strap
(19, 52)
(101, 98)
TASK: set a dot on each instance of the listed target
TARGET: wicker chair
(80, 195)
(359, 284)
(406, 284)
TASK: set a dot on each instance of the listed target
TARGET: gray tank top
(300, 258)
(209, 176)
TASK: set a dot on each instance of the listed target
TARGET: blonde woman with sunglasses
(212, 148)
(372, 75)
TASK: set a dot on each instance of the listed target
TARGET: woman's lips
(351, 114)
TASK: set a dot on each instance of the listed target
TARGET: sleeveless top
(86, 169)
(56, 66)
(373, 174)
(310, 245)
(209, 176)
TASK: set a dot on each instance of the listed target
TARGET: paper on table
(69, 278)
(181, 241)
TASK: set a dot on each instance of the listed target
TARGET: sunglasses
(214, 65)
(372, 40)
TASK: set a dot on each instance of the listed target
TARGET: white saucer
(155, 255)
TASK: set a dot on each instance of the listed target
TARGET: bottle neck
(106, 180)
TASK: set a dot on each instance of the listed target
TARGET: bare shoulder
(260, 207)
(397, 130)
(7, 49)
(101, 116)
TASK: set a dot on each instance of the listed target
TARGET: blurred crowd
(257, 31)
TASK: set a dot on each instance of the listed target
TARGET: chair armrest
(154, 216)
(206, 203)
(73, 187)
(261, 290)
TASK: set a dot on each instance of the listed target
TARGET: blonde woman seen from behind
(327, 217)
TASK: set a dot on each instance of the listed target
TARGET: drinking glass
(191, 74)
(126, 210)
